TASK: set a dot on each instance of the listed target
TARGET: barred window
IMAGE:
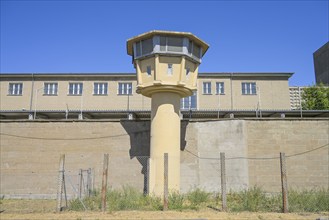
(50, 89)
(75, 88)
(15, 89)
(248, 88)
(207, 88)
(125, 88)
(219, 88)
(100, 88)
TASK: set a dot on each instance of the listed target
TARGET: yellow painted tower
(167, 64)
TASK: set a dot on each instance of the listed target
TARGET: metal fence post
(165, 180)
(104, 181)
(60, 182)
(284, 183)
(223, 180)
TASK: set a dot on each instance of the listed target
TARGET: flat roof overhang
(150, 34)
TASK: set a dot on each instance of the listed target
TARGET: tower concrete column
(165, 138)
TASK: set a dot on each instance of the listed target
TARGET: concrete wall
(30, 154)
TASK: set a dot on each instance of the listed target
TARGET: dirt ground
(44, 209)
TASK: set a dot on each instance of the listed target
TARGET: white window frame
(101, 88)
(15, 89)
(247, 88)
(77, 88)
(220, 88)
(50, 88)
(206, 88)
(125, 88)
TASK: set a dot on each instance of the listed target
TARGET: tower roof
(150, 34)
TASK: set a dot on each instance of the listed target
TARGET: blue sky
(90, 36)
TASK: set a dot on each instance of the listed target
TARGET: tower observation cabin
(166, 59)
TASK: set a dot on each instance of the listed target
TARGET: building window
(75, 88)
(207, 88)
(125, 88)
(249, 88)
(189, 102)
(170, 69)
(100, 88)
(50, 89)
(219, 88)
(15, 89)
(148, 70)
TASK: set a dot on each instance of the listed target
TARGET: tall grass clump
(176, 201)
(253, 200)
(197, 198)
(308, 200)
(130, 198)
(92, 203)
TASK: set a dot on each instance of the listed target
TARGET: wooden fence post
(165, 180)
(148, 176)
(80, 183)
(104, 181)
(60, 182)
(284, 184)
(223, 180)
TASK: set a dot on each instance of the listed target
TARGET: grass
(253, 200)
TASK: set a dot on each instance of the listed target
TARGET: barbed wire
(257, 158)
(63, 139)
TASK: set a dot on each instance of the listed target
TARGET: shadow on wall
(139, 133)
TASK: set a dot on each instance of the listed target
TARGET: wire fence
(306, 171)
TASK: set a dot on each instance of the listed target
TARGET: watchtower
(167, 64)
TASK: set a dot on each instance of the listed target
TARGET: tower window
(148, 70)
(187, 71)
(170, 69)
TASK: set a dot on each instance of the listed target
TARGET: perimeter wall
(30, 153)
